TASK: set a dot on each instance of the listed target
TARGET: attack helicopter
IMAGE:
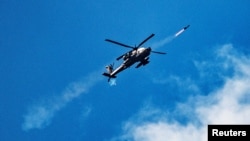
(137, 54)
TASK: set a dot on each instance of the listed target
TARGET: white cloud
(227, 104)
(40, 115)
(162, 131)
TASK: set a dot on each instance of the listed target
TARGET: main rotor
(135, 47)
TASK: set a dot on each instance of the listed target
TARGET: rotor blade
(112, 65)
(146, 40)
(125, 54)
(108, 40)
(118, 58)
(158, 52)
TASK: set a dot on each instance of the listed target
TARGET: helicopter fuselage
(137, 54)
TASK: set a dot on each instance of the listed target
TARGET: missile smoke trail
(169, 38)
(163, 42)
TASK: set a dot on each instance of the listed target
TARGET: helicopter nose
(149, 48)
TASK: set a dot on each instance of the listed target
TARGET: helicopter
(136, 54)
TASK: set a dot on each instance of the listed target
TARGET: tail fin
(109, 69)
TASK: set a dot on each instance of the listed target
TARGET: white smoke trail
(40, 115)
(168, 39)
(163, 42)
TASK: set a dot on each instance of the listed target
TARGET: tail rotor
(110, 69)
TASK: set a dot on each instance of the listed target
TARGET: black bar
(223, 132)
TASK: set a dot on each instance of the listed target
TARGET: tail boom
(109, 76)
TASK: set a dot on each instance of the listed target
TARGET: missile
(186, 27)
(181, 31)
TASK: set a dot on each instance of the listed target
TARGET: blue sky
(53, 54)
